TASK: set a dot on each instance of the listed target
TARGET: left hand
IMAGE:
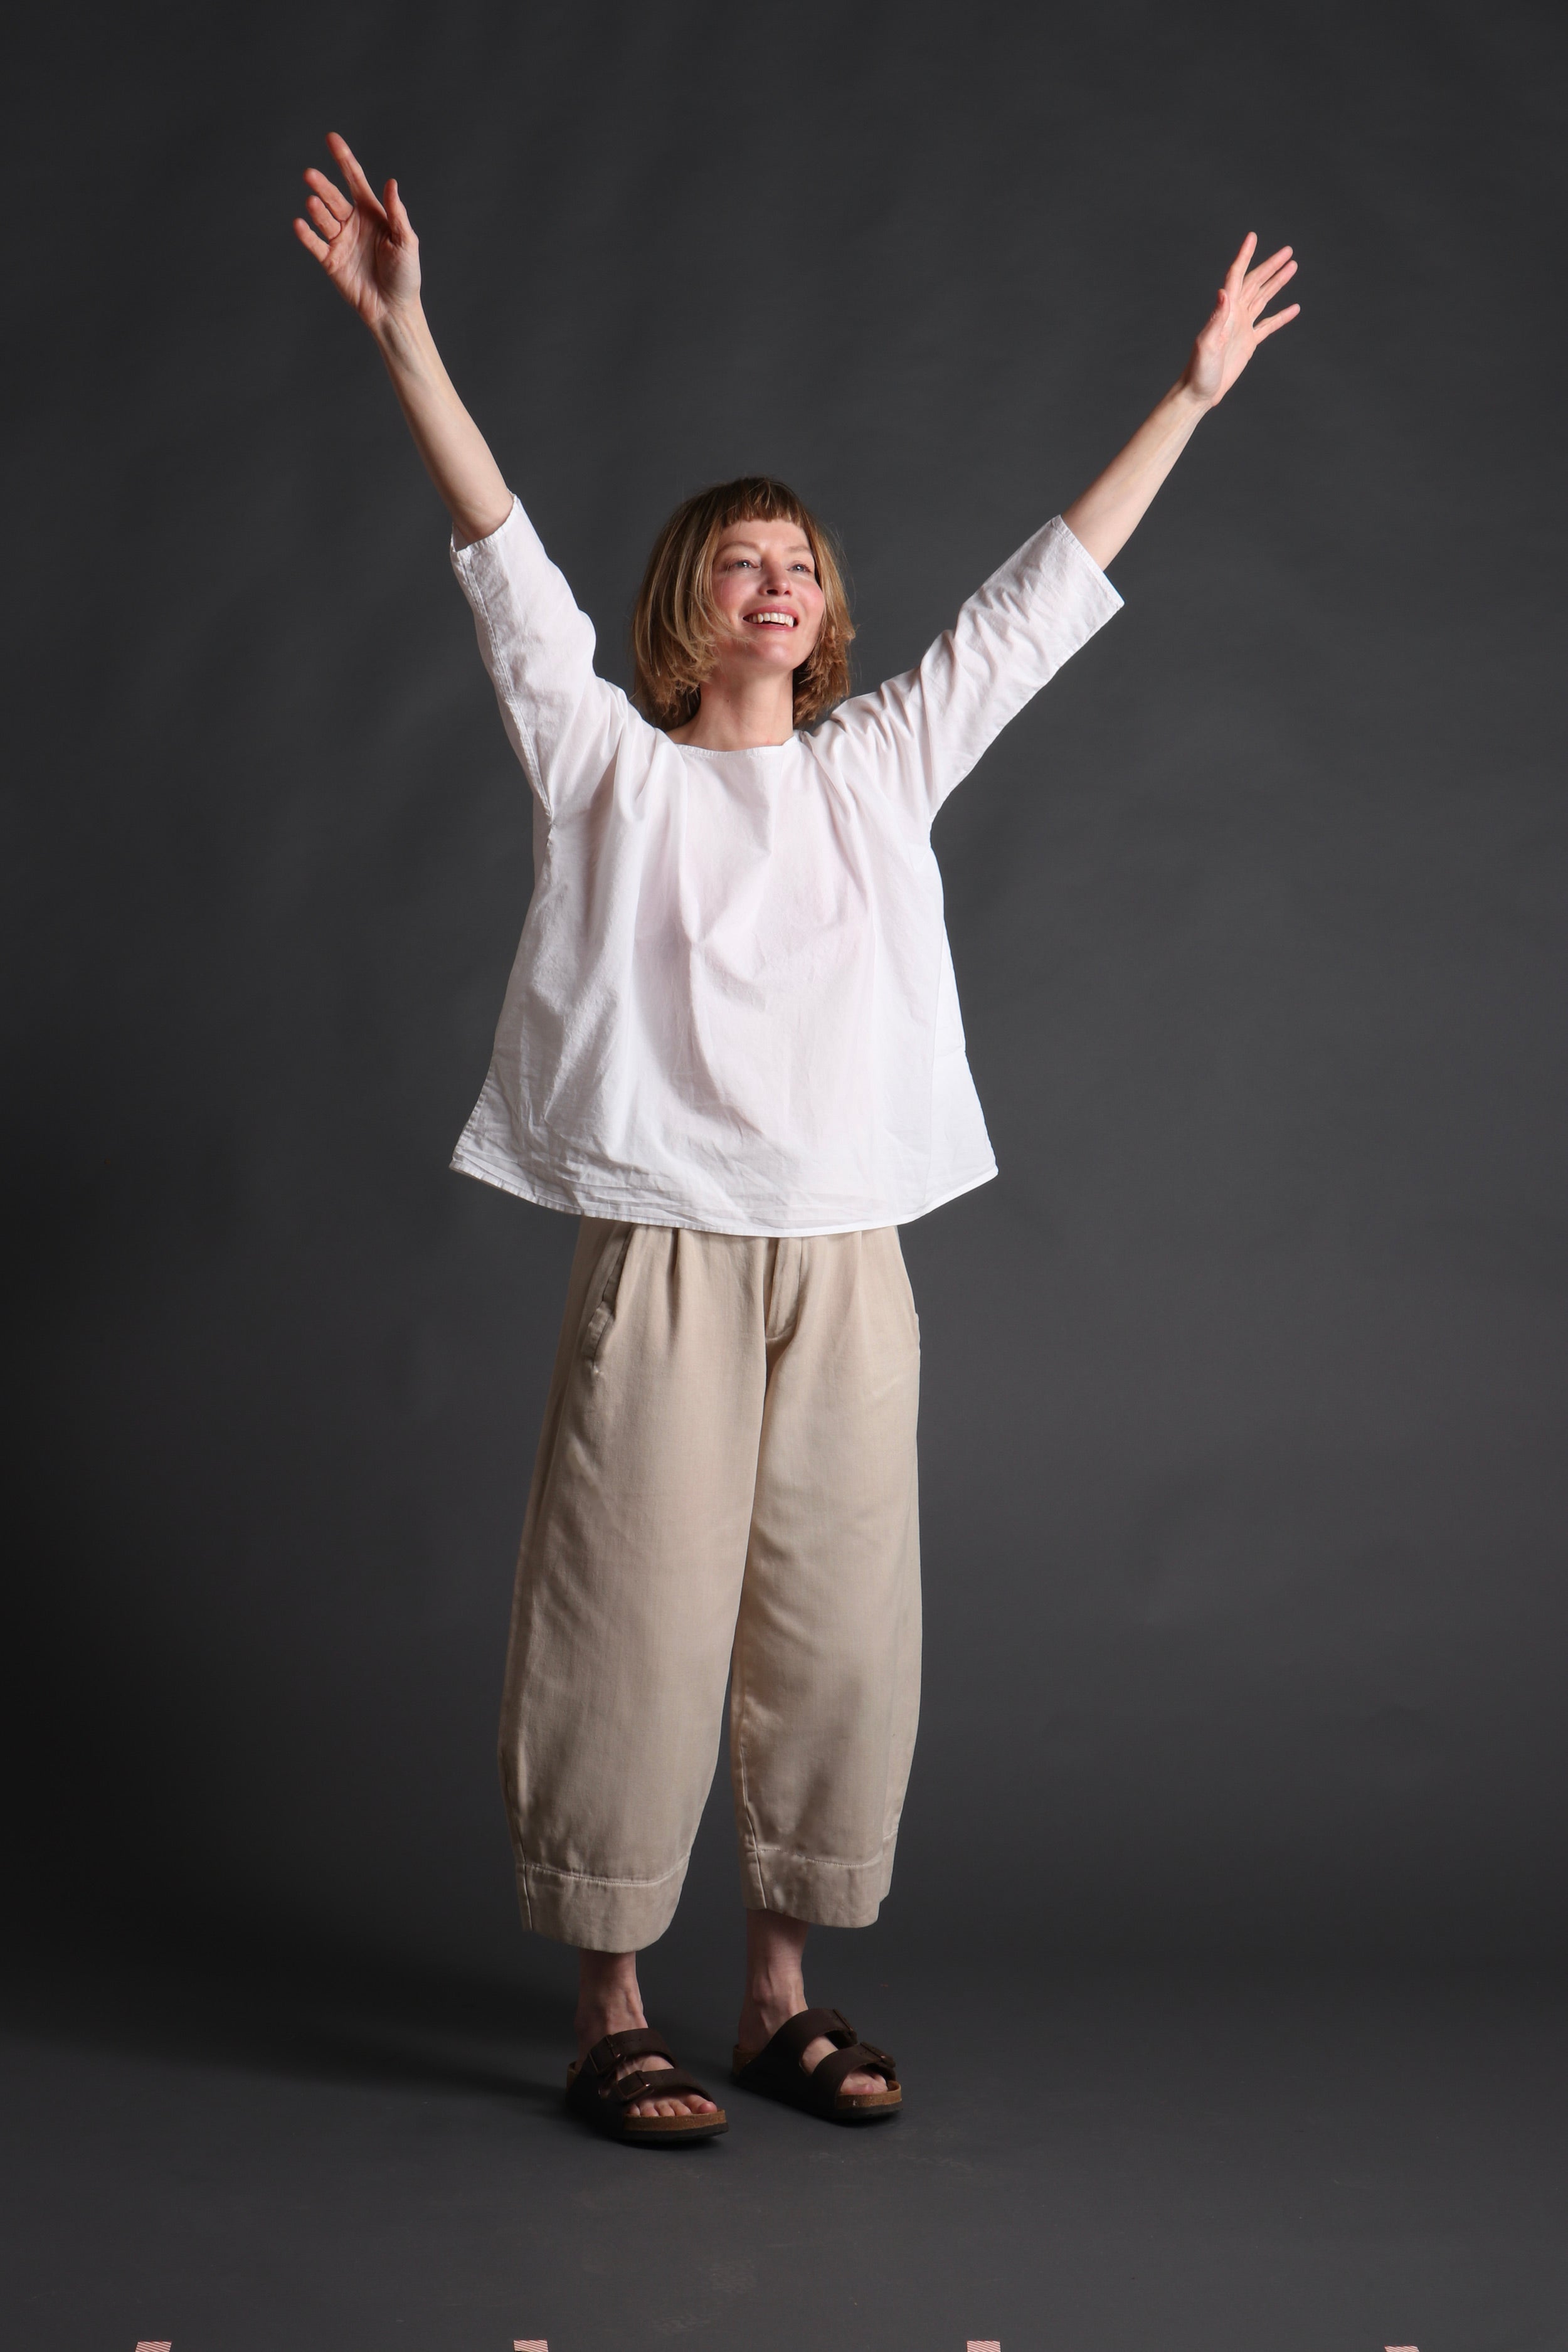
(365, 243)
(1235, 326)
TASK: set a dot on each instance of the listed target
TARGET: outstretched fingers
(1270, 274)
(328, 222)
(1281, 319)
(348, 164)
(1236, 275)
(327, 192)
(1260, 296)
(309, 240)
(1266, 268)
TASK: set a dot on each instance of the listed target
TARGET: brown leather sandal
(597, 2091)
(776, 2071)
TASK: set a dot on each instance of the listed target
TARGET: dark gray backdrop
(1244, 1413)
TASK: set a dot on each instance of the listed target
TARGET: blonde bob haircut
(673, 626)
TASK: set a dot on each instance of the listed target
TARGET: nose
(775, 575)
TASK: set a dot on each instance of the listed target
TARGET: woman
(732, 1045)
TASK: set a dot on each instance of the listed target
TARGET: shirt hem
(638, 1209)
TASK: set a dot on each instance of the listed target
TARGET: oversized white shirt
(733, 1003)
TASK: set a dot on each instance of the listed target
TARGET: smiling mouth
(770, 621)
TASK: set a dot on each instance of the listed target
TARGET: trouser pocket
(605, 1290)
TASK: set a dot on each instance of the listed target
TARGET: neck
(741, 714)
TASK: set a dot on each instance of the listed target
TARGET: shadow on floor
(317, 2014)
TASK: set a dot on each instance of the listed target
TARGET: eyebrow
(739, 539)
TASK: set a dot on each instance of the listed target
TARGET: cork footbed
(854, 2102)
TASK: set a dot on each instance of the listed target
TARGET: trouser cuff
(825, 1894)
(601, 1915)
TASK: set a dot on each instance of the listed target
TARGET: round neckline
(738, 751)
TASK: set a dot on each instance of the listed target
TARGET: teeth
(771, 620)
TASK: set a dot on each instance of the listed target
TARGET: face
(768, 599)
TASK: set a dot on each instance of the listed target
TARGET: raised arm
(367, 246)
(1105, 518)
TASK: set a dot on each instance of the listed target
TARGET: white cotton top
(733, 1003)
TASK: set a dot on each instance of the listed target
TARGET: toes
(652, 2110)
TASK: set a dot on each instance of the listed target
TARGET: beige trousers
(725, 1488)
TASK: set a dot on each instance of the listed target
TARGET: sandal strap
(663, 2082)
(808, 2025)
(859, 2058)
(636, 2042)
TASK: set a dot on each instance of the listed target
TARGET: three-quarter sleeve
(565, 722)
(924, 731)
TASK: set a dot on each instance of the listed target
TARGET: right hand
(1235, 326)
(365, 243)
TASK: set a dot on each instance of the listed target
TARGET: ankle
(775, 1997)
(593, 2022)
(609, 2000)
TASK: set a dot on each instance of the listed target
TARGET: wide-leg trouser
(725, 1486)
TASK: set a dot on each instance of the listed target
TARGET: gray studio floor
(1090, 2162)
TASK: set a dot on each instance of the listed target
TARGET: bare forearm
(456, 454)
(1105, 518)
